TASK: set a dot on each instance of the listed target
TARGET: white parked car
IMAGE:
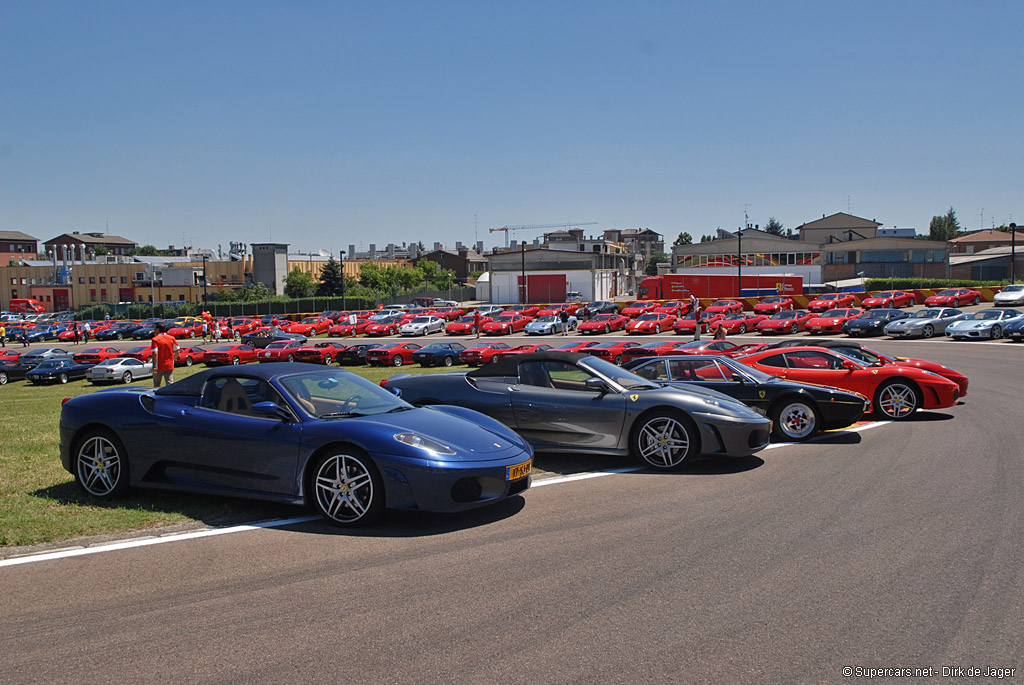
(422, 325)
(1009, 296)
(119, 370)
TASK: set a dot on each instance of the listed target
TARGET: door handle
(186, 412)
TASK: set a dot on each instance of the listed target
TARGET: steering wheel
(351, 402)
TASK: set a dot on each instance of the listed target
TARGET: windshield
(546, 319)
(785, 315)
(859, 354)
(948, 293)
(1013, 289)
(277, 345)
(421, 319)
(771, 300)
(927, 314)
(334, 393)
(50, 364)
(616, 374)
(722, 303)
(989, 315)
(110, 362)
(650, 317)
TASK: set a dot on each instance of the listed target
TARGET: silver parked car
(548, 324)
(923, 323)
(984, 324)
(119, 370)
(422, 325)
(1011, 295)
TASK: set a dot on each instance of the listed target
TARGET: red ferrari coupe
(889, 299)
(954, 297)
(603, 323)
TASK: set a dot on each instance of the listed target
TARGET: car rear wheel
(896, 400)
(191, 334)
(235, 360)
(928, 331)
(3, 378)
(126, 377)
(447, 361)
(291, 357)
(119, 336)
(101, 465)
(63, 378)
(794, 328)
(664, 440)
(956, 303)
(398, 361)
(912, 302)
(794, 420)
(327, 359)
(657, 328)
(743, 328)
(977, 300)
(347, 489)
(996, 333)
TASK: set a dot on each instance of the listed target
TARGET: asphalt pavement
(898, 546)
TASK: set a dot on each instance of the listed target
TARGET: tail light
(64, 401)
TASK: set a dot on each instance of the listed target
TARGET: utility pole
(344, 305)
(1013, 252)
(522, 287)
(204, 281)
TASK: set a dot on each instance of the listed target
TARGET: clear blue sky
(322, 124)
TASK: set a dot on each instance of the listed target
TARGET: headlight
(423, 443)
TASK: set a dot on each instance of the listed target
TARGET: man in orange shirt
(165, 348)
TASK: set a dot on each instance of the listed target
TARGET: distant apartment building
(17, 246)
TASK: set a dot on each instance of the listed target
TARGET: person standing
(695, 308)
(85, 332)
(563, 316)
(206, 329)
(586, 313)
(476, 321)
(216, 332)
(720, 332)
(3, 335)
(24, 337)
(164, 348)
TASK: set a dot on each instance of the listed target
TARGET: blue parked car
(438, 354)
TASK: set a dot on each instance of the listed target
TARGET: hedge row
(873, 284)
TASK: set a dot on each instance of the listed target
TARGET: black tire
(794, 420)
(664, 440)
(977, 300)
(291, 357)
(618, 359)
(327, 359)
(956, 304)
(345, 488)
(398, 361)
(997, 332)
(794, 328)
(3, 378)
(743, 328)
(62, 379)
(119, 336)
(607, 328)
(657, 328)
(188, 360)
(448, 361)
(928, 331)
(896, 400)
(126, 377)
(912, 302)
(235, 361)
(191, 334)
(100, 464)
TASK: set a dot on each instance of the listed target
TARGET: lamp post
(204, 281)
(344, 305)
(1013, 252)
(522, 286)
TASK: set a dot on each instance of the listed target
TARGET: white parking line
(277, 523)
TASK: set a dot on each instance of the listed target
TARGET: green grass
(40, 502)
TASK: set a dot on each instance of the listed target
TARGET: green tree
(330, 279)
(651, 268)
(683, 239)
(706, 239)
(299, 284)
(944, 227)
(774, 226)
(147, 251)
(99, 250)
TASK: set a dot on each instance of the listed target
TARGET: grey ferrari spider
(566, 402)
(923, 323)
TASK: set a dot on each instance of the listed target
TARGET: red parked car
(686, 325)
(724, 307)
(386, 326)
(521, 349)
(529, 310)
(556, 309)
(611, 351)
(575, 346)
(466, 324)
(320, 353)
(739, 323)
(889, 299)
(832, 301)
(243, 325)
(280, 351)
(143, 353)
(651, 349)
(311, 325)
(449, 313)
(482, 352)
(792, 321)
(832, 321)
(186, 329)
(187, 356)
(746, 348)
(391, 354)
(233, 353)
(651, 322)
(603, 323)
(410, 314)
(346, 329)
(95, 355)
(506, 324)
(954, 297)
(704, 347)
(635, 309)
(774, 305)
(676, 307)
(894, 392)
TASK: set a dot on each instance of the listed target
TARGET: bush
(873, 284)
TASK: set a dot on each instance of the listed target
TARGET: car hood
(473, 436)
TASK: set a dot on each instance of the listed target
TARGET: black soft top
(509, 366)
(193, 385)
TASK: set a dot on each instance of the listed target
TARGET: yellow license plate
(518, 471)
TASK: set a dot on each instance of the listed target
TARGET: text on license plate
(518, 471)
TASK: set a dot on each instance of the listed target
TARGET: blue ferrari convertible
(293, 433)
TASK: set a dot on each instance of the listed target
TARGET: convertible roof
(193, 385)
(510, 365)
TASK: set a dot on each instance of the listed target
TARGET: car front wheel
(928, 331)
(664, 440)
(101, 465)
(447, 361)
(235, 361)
(996, 332)
(3, 378)
(398, 361)
(896, 400)
(63, 378)
(347, 489)
(794, 420)
(743, 328)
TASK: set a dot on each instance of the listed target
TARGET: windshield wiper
(392, 411)
(341, 414)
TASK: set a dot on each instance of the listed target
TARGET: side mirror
(848, 365)
(596, 385)
(396, 391)
(270, 410)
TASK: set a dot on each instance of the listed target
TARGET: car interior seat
(233, 398)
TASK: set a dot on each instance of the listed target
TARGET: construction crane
(533, 227)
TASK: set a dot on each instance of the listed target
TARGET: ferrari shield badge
(874, 371)
(760, 393)
(634, 398)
